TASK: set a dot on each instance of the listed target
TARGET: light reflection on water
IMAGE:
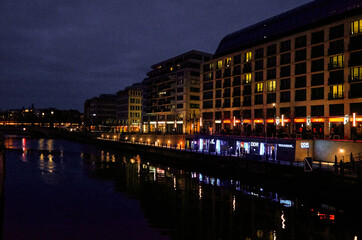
(189, 204)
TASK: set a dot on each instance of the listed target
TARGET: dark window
(285, 84)
(237, 59)
(259, 53)
(237, 70)
(181, 89)
(195, 74)
(237, 114)
(227, 82)
(318, 51)
(300, 95)
(218, 84)
(336, 77)
(227, 72)
(208, 95)
(259, 76)
(259, 65)
(207, 115)
(317, 65)
(336, 47)
(237, 81)
(218, 94)
(181, 105)
(300, 55)
(301, 41)
(284, 58)
(317, 110)
(336, 32)
(208, 86)
(272, 49)
(218, 74)
(247, 101)
(247, 67)
(236, 91)
(271, 98)
(300, 82)
(227, 114)
(271, 73)
(285, 96)
(317, 93)
(355, 58)
(227, 92)
(218, 115)
(179, 98)
(193, 89)
(336, 110)
(218, 103)
(270, 113)
(247, 90)
(246, 114)
(236, 102)
(226, 103)
(194, 105)
(285, 46)
(271, 62)
(355, 91)
(318, 37)
(300, 68)
(356, 108)
(208, 104)
(285, 111)
(206, 67)
(317, 79)
(258, 99)
(258, 113)
(285, 71)
(300, 111)
(193, 97)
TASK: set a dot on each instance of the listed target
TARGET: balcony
(332, 96)
(353, 79)
(332, 66)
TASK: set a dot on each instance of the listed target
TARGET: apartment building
(171, 96)
(100, 110)
(129, 109)
(296, 74)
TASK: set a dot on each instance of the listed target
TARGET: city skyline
(58, 55)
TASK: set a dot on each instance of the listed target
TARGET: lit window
(337, 91)
(211, 66)
(336, 61)
(356, 27)
(171, 68)
(247, 56)
(228, 62)
(247, 78)
(219, 64)
(259, 87)
(271, 85)
(356, 73)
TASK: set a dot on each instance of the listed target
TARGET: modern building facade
(298, 73)
(171, 96)
(101, 111)
(129, 109)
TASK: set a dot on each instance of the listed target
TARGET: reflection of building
(172, 94)
(129, 109)
(308, 62)
(101, 110)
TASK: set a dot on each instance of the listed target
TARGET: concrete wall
(326, 150)
(301, 153)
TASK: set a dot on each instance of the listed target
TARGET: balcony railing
(332, 66)
(332, 96)
(352, 79)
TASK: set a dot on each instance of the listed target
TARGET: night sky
(57, 53)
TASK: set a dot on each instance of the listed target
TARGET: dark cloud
(59, 53)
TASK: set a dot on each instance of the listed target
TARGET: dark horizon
(60, 54)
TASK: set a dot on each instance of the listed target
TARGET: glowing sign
(254, 144)
(304, 145)
(285, 145)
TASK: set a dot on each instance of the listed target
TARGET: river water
(58, 189)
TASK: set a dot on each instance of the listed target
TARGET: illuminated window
(171, 68)
(247, 78)
(356, 27)
(336, 61)
(219, 64)
(337, 91)
(259, 87)
(271, 85)
(247, 56)
(211, 66)
(356, 73)
(228, 62)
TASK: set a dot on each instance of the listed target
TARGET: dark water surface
(60, 189)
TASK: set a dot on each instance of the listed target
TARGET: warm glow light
(258, 121)
(227, 121)
(283, 120)
(237, 121)
(270, 120)
(341, 119)
(317, 120)
(246, 121)
(341, 150)
(300, 120)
